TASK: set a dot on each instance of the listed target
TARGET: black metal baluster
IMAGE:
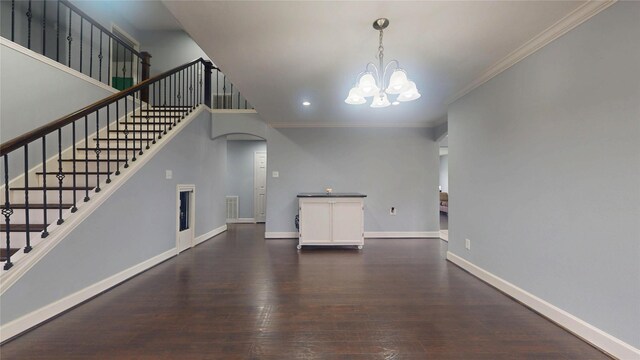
(217, 88)
(155, 105)
(44, 27)
(100, 59)
(58, 33)
(238, 99)
(74, 207)
(69, 37)
(59, 176)
(7, 211)
(148, 125)
(45, 233)
(98, 151)
(108, 145)
(86, 158)
(29, 16)
(91, 51)
(126, 135)
(231, 96)
(81, 40)
(117, 120)
(140, 123)
(26, 199)
(109, 80)
(224, 92)
(13, 21)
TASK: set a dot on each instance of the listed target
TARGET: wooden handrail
(97, 25)
(46, 129)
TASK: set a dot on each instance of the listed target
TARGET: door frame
(136, 46)
(191, 188)
(255, 188)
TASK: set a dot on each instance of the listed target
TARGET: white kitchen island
(331, 219)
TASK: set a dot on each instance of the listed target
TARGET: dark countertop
(330, 195)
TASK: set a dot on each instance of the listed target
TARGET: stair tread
(54, 188)
(148, 122)
(156, 116)
(38, 206)
(124, 139)
(91, 160)
(136, 130)
(3, 253)
(110, 148)
(77, 172)
(22, 227)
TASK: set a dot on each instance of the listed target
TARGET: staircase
(55, 192)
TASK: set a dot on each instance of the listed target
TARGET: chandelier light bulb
(367, 85)
(398, 82)
(410, 94)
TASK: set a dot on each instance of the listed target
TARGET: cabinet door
(347, 221)
(315, 221)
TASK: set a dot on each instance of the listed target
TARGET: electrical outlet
(275, 174)
(168, 174)
(392, 211)
(467, 244)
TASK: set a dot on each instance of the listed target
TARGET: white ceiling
(282, 53)
(144, 14)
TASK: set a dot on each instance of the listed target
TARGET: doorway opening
(444, 188)
(125, 70)
(247, 178)
(185, 211)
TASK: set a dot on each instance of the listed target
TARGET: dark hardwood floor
(238, 296)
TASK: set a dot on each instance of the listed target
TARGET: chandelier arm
(375, 69)
(384, 73)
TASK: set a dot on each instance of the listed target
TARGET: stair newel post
(208, 67)
(59, 176)
(86, 158)
(45, 233)
(74, 207)
(146, 70)
(7, 211)
(98, 151)
(26, 198)
(108, 144)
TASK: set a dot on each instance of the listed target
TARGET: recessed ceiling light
(306, 103)
(395, 103)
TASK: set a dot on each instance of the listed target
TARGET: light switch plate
(168, 174)
(275, 174)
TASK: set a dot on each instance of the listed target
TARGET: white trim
(191, 189)
(401, 234)
(55, 64)
(58, 232)
(281, 235)
(579, 327)
(204, 237)
(561, 27)
(367, 234)
(444, 235)
(241, 221)
(233, 111)
(34, 318)
(355, 125)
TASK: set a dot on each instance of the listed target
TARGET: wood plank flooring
(238, 296)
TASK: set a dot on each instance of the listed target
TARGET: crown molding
(561, 27)
(343, 125)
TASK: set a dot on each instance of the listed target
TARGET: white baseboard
(367, 234)
(241, 221)
(204, 237)
(579, 327)
(34, 318)
(444, 235)
(281, 235)
(401, 234)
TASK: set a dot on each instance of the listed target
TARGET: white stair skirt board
(241, 221)
(367, 234)
(204, 237)
(579, 327)
(57, 233)
(444, 235)
(34, 318)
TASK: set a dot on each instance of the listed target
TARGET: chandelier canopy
(372, 81)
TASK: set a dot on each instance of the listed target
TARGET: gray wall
(393, 166)
(240, 173)
(136, 223)
(444, 173)
(545, 173)
(169, 49)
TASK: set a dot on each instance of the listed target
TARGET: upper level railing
(61, 31)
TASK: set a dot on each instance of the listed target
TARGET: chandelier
(372, 81)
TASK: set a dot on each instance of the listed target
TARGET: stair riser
(19, 239)
(36, 196)
(36, 216)
(52, 181)
(91, 165)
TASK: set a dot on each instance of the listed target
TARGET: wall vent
(232, 207)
